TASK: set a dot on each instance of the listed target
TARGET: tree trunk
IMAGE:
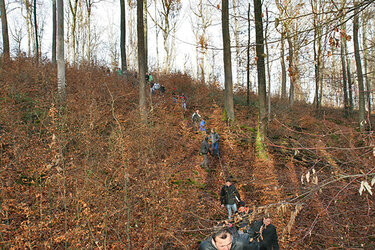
(365, 59)
(344, 80)
(361, 94)
(124, 67)
(146, 34)
(268, 68)
(60, 50)
(248, 58)
(237, 42)
(349, 78)
(54, 26)
(316, 67)
(36, 34)
(262, 120)
(4, 25)
(291, 71)
(283, 69)
(228, 92)
(141, 60)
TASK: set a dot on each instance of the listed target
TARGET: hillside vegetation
(92, 175)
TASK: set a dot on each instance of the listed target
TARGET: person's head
(212, 130)
(267, 219)
(228, 182)
(222, 239)
(197, 111)
(241, 207)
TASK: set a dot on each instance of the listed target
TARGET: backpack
(195, 117)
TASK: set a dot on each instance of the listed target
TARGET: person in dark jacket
(205, 149)
(215, 142)
(228, 197)
(223, 239)
(241, 219)
(264, 233)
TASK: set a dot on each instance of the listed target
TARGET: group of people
(182, 97)
(205, 147)
(154, 86)
(241, 235)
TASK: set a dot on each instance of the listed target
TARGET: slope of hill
(93, 176)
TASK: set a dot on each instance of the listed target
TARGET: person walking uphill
(205, 149)
(263, 234)
(228, 197)
(196, 118)
(215, 143)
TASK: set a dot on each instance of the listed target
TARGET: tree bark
(283, 69)
(228, 92)
(361, 94)
(36, 33)
(146, 35)
(124, 67)
(365, 59)
(60, 50)
(141, 60)
(262, 122)
(291, 71)
(54, 26)
(4, 25)
(268, 68)
(248, 58)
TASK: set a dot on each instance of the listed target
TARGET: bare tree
(361, 94)
(36, 32)
(60, 50)
(4, 25)
(54, 26)
(141, 59)
(123, 36)
(262, 119)
(248, 58)
(200, 29)
(168, 13)
(228, 92)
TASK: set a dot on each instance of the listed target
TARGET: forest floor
(92, 175)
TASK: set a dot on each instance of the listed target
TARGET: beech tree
(54, 26)
(141, 60)
(60, 50)
(361, 90)
(261, 70)
(4, 26)
(36, 32)
(123, 36)
(228, 92)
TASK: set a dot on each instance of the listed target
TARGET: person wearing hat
(228, 197)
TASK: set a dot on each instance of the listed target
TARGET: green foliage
(260, 148)
(224, 116)
(26, 180)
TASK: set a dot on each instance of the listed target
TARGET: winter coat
(241, 242)
(268, 240)
(214, 137)
(205, 148)
(202, 125)
(228, 195)
(196, 117)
